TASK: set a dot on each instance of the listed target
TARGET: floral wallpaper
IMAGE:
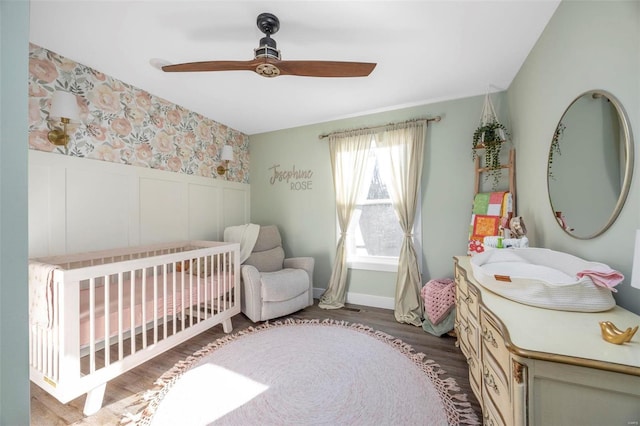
(123, 124)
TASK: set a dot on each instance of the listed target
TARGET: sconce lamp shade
(227, 153)
(65, 105)
(64, 108)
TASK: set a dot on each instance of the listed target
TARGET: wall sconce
(64, 109)
(226, 156)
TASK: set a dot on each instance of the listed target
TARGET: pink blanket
(605, 277)
(439, 298)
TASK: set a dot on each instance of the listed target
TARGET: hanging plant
(489, 136)
(555, 146)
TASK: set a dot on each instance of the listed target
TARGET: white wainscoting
(77, 205)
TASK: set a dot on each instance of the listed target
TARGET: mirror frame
(628, 167)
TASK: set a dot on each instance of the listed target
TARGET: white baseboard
(362, 299)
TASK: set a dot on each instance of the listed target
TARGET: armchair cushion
(268, 260)
(268, 238)
(267, 254)
(284, 284)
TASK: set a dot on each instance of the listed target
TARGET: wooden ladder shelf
(511, 165)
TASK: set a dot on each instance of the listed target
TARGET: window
(375, 236)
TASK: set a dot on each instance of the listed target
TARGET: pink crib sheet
(211, 283)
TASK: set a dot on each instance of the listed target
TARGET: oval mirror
(590, 164)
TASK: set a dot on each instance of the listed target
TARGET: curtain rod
(434, 119)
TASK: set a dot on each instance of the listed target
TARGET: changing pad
(542, 278)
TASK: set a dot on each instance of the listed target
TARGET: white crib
(157, 297)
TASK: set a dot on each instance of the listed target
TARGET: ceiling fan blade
(213, 66)
(325, 68)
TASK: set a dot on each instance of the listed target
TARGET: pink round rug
(305, 372)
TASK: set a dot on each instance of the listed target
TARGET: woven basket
(543, 278)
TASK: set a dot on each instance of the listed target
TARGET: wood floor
(129, 387)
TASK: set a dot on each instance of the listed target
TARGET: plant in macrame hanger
(555, 146)
(490, 135)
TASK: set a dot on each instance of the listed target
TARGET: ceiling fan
(267, 60)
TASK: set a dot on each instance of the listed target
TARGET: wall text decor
(297, 180)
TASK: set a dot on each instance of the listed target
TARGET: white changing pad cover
(543, 278)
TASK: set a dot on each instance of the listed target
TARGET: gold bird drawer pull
(613, 334)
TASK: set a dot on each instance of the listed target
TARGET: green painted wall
(14, 340)
(307, 217)
(585, 46)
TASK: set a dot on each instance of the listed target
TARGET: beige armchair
(273, 286)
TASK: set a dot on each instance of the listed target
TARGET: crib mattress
(177, 298)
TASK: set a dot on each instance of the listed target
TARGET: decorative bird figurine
(613, 334)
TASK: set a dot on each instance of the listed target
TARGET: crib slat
(55, 333)
(38, 349)
(218, 282)
(199, 300)
(164, 300)
(224, 280)
(206, 280)
(132, 310)
(155, 305)
(183, 310)
(191, 292)
(120, 317)
(144, 309)
(107, 325)
(92, 325)
(173, 298)
(226, 301)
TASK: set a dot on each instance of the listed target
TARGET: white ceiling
(426, 51)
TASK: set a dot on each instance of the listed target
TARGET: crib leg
(93, 403)
(227, 326)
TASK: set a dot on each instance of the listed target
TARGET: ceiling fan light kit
(267, 62)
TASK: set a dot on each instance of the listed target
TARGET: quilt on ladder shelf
(491, 213)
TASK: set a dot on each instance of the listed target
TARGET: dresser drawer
(491, 415)
(473, 337)
(461, 282)
(492, 339)
(473, 302)
(465, 327)
(461, 331)
(495, 386)
(475, 375)
(460, 298)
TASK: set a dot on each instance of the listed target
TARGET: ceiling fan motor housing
(267, 49)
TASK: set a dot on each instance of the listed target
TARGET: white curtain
(349, 153)
(402, 170)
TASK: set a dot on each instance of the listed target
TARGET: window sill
(383, 265)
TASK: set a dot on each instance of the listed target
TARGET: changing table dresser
(535, 366)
